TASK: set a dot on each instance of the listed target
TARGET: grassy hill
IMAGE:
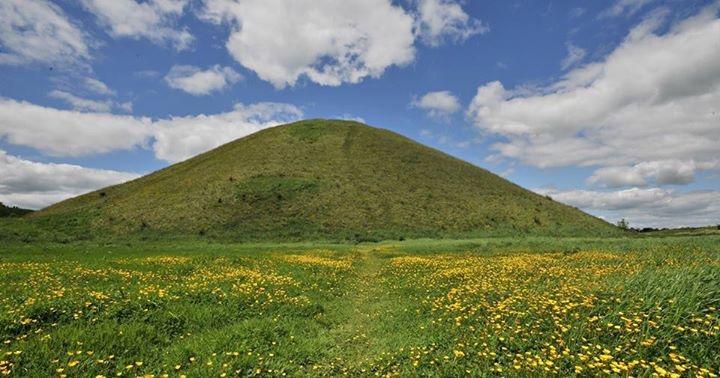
(320, 179)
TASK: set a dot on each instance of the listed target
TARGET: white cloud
(199, 82)
(574, 56)
(655, 98)
(69, 133)
(79, 103)
(72, 133)
(349, 117)
(651, 207)
(85, 104)
(661, 172)
(441, 20)
(179, 138)
(36, 185)
(327, 41)
(624, 7)
(154, 20)
(98, 87)
(333, 42)
(125, 106)
(39, 31)
(439, 104)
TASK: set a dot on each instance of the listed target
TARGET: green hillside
(320, 179)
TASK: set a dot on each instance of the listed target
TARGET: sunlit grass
(483, 307)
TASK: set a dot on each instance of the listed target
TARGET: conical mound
(321, 179)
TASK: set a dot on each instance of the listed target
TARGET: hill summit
(321, 179)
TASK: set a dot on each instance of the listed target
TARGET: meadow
(632, 306)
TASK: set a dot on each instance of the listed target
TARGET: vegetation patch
(310, 131)
(275, 189)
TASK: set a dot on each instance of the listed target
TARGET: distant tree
(718, 227)
(14, 211)
(623, 224)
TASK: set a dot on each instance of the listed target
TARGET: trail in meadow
(367, 314)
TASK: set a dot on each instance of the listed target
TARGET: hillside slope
(321, 179)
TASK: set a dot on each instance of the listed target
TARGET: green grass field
(537, 306)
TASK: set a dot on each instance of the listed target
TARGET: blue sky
(613, 107)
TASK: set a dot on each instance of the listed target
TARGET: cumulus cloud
(199, 82)
(36, 185)
(73, 133)
(660, 172)
(67, 132)
(179, 138)
(441, 20)
(329, 42)
(574, 56)
(439, 104)
(154, 20)
(39, 31)
(650, 207)
(655, 98)
(333, 42)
